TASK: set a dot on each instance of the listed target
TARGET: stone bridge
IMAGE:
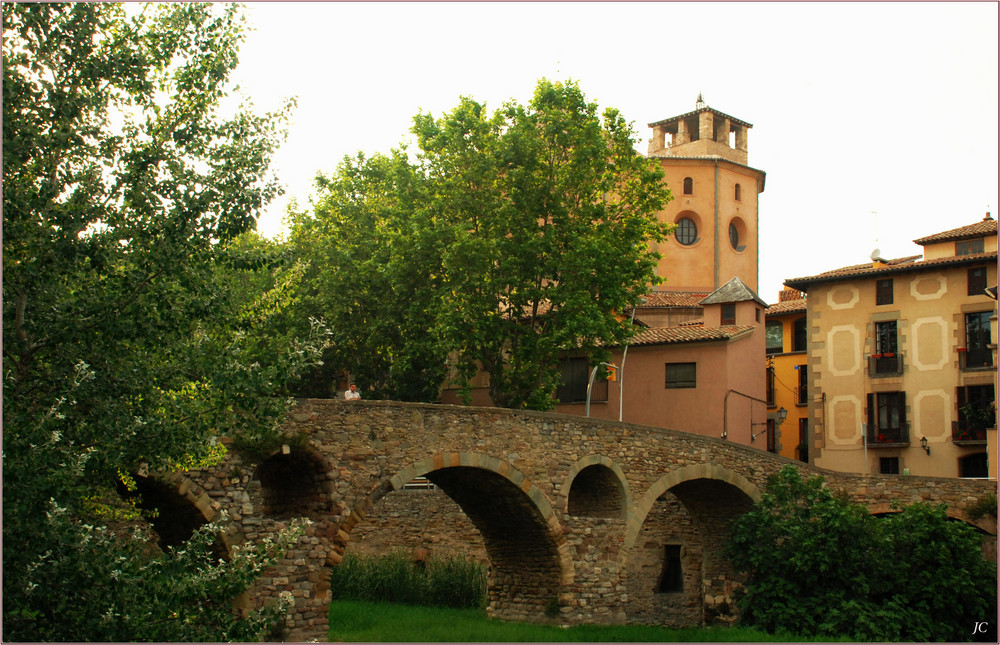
(581, 520)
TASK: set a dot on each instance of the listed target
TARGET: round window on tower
(687, 231)
(737, 234)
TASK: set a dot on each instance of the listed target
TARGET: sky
(876, 123)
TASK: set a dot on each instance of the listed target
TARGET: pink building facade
(702, 376)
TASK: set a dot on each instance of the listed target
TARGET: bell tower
(714, 206)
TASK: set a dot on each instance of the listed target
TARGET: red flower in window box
(876, 356)
(961, 349)
(881, 438)
(889, 355)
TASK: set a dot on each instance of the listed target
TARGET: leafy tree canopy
(512, 237)
(819, 566)
(140, 328)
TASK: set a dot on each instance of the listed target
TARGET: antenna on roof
(876, 255)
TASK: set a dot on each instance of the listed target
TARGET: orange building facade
(704, 155)
(786, 377)
(901, 360)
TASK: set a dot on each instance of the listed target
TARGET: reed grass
(396, 578)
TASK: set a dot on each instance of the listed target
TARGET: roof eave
(802, 284)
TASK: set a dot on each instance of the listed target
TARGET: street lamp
(590, 384)
(779, 418)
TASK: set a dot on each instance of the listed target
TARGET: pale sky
(857, 108)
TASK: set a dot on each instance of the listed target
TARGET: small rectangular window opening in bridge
(672, 578)
(418, 483)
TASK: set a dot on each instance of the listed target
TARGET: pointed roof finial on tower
(700, 103)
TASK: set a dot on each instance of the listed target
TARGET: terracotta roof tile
(901, 265)
(688, 334)
(672, 299)
(786, 307)
(673, 119)
(986, 226)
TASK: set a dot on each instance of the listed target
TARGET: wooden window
(681, 375)
(799, 335)
(978, 339)
(968, 247)
(883, 292)
(575, 375)
(728, 314)
(739, 193)
(688, 186)
(802, 450)
(887, 418)
(885, 337)
(774, 332)
(976, 411)
(977, 281)
(888, 465)
(975, 465)
(803, 389)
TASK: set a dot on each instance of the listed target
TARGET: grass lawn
(368, 622)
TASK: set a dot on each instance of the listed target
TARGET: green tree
(550, 214)
(128, 340)
(514, 237)
(375, 276)
(819, 566)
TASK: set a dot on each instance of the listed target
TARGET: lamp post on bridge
(590, 384)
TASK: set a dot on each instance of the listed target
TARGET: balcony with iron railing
(975, 358)
(964, 435)
(890, 364)
(890, 437)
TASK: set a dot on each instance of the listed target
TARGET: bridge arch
(596, 486)
(674, 572)
(529, 562)
(675, 478)
(183, 507)
(957, 514)
(292, 481)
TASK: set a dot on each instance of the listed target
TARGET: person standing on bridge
(352, 394)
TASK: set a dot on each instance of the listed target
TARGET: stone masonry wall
(407, 519)
(511, 472)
